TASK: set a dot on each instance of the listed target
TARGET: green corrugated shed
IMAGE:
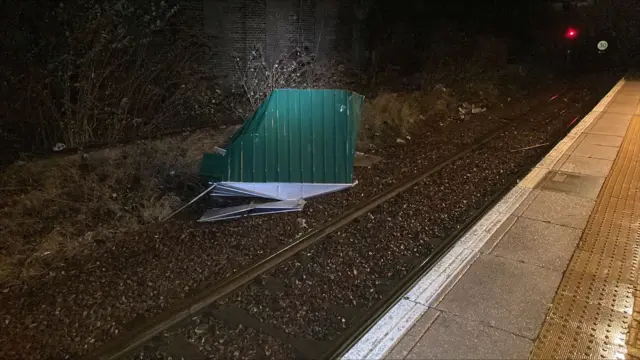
(295, 136)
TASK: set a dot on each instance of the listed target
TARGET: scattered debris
(400, 141)
(252, 209)
(202, 328)
(530, 147)
(465, 109)
(477, 109)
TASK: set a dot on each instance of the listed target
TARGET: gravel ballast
(309, 301)
(304, 303)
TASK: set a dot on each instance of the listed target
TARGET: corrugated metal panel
(303, 136)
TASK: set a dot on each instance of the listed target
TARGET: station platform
(551, 272)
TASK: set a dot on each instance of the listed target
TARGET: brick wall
(255, 24)
(224, 25)
(291, 24)
(194, 12)
(326, 28)
(306, 22)
(237, 27)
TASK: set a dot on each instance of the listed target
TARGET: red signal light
(571, 33)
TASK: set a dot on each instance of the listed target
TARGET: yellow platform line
(593, 313)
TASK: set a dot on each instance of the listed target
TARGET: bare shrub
(259, 79)
(107, 71)
(297, 68)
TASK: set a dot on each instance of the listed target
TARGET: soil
(85, 301)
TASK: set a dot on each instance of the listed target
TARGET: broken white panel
(252, 209)
(279, 191)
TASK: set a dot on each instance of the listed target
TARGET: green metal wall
(306, 136)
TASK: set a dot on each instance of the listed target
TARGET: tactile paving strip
(592, 314)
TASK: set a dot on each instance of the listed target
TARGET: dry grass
(53, 208)
(397, 114)
(475, 82)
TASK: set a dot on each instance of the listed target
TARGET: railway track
(128, 343)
